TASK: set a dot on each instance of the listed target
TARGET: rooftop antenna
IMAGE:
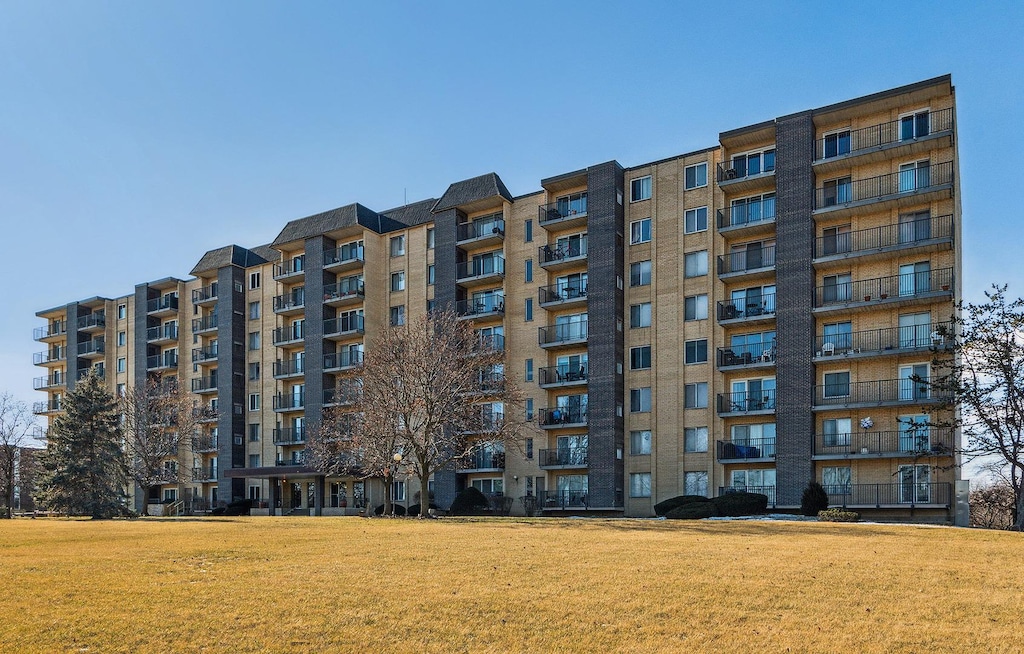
(405, 196)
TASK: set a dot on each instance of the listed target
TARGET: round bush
(814, 499)
(740, 504)
(692, 511)
(398, 509)
(469, 501)
(662, 508)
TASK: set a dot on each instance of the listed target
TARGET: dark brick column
(139, 337)
(71, 370)
(314, 329)
(445, 481)
(230, 310)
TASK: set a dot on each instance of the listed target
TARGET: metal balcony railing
(341, 396)
(204, 383)
(563, 457)
(350, 287)
(747, 260)
(565, 499)
(564, 333)
(293, 332)
(58, 353)
(348, 253)
(558, 416)
(490, 382)
(46, 407)
(741, 215)
(889, 391)
(741, 168)
(922, 178)
(289, 435)
(562, 374)
(898, 234)
(893, 494)
(920, 441)
(204, 474)
(483, 459)
(746, 401)
(49, 381)
(289, 367)
(343, 359)
(96, 319)
(288, 268)
(894, 339)
(876, 136)
(565, 208)
(763, 306)
(296, 299)
(166, 360)
(205, 293)
(95, 346)
(493, 265)
(752, 448)
(479, 229)
(162, 333)
(557, 253)
(907, 285)
(55, 328)
(205, 413)
(482, 305)
(204, 444)
(747, 355)
(204, 323)
(348, 324)
(289, 401)
(205, 353)
(561, 292)
(491, 343)
(164, 303)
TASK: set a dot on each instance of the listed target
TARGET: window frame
(637, 232)
(695, 167)
(696, 221)
(649, 188)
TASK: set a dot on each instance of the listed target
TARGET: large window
(695, 264)
(914, 126)
(696, 176)
(915, 483)
(754, 209)
(640, 315)
(695, 483)
(915, 278)
(837, 384)
(836, 431)
(915, 175)
(640, 442)
(640, 189)
(837, 337)
(695, 220)
(695, 439)
(915, 330)
(640, 273)
(398, 281)
(751, 163)
(397, 246)
(696, 396)
(837, 191)
(640, 231)
(640, 400)
(836, 144)
(640, 484)
(697, 351)
(398, 315)
(640, 357)
(695, 307)
(837, 288)
(836, 479)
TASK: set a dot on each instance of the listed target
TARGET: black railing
(746, 401)
(204, 323)
(164, 303)
(922, 178)
(877, 495)
(347, 324)
(877, 391)
(480, 229)
(894, 339)
(289, 401)
(904, 286)
(562, 374)
(92, 320)
(204, 383)
(289, 436)
(205, 413)
(341, 396)
(747, 355)
(762, 306)
(741, 215)
(55, 328)
(205, 293)
(565, 208)
(95, 346)
(58, 353)
(565, 333)
(289, 367)
(293, 332)
(350, 287)
(482, 305)
(565, 499)
(204, 444)
(166, 360)
(490, 382)
(566, 252)
(49, 381)
(916, 441)
(492, 265)
(746, 260)
(343, 359)
(287, 268)
(483, 459)
(561, 292)
(752, 448)
(563, 457)
(874, 238)
(164, 333)
(768, 491)
(294, 300)
(205, 353)
(739, 169)
(571, 415)
(876, 136)
(348, 253)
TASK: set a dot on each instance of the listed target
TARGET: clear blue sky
(180, 127)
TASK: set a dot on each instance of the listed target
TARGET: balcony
(204, 324)
(768, 491)
(563, 458)
(490, 382)
(747, 403)
(884, 342)
(555, 257)
(350, 290)
(562, 376)
(204, 444)
(491, 343)
(747, 220)
(562, 417)
(163, 334)
(747, 312)
(877, 393)
(340, 397)
(93, 322)
(925, 441)
(342, 328)
(750, 356)
(909, 288)
(45, 408)
(562, 296)
(749, 263)
(488, 306)
(286, 368)
(290, 269)
(916, 236)
(290, 402)
(289, 435)
(162, 306)
(94, 349)
(908, 494)
(205, 413)
(54, 329)
(482, 460)
(346, 257)
(736, 177)
(205, 354)
(162, 361)
(206, 384)
(480, 232)
(290, 303)
(205, 295)
(343, 360)
(752, 450)
(564, 335)
(882, 141)
(563, 214)
(904, 188)
(562, 500)
(49, 381)
(490, 270)
(53, 355)
(290, 335)
(205, 474)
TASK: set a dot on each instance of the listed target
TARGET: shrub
(469, 501)
(414, 510)
(692, 511)
(838, 515)
(662, 508)
(740, 504)
(814, 500)
(397, 508)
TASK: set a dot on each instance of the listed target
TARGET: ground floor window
(695, 483)
(492, 486)
(339, 495)
(170, 494)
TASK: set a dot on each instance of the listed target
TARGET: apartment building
(748, 316)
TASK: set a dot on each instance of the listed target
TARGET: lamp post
(394, 478)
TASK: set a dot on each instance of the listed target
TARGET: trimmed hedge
(662, 508)
(692, 511)
(398, 509)
(838, 515)
(469, 501)
(414, 510)
(730, 505)
(814, 500)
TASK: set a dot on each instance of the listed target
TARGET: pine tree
(83, 466)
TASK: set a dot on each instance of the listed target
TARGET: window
(837, 337)
(697, 351)
(756, 480)
(837, 384)
(639, 442)
(836, 144)
(640, 231)
(752, 163)
(914, 126)
(915, 483)
(529, 410)
(752, 210)
(254, 460)
(529, 370)
(836, 191)
(836, 479)
(695, 264)
(254, 493)
(914, 176)
(695, 483)
(915, 278)
(528, 267)
(430, 274)
(640, 315)
(695, 220)
(640, 484)
(529, 449)
(528, 310)
(122, 339)
(122, 390)
(695, 307)
(695, 439)
(254, 371)
(398, 315)
(835, 240)
(254, 310)
(397, 246)
(430, 238)
(431, 305)
(836, 432)
(254, 340)
(696, 176)
(640, 273)
(528, 231)
(398, 491)
(837, 288)
(696, 396)
(640, 400)
(640, 357)
(398, 281)
(254, 432)
(254, 280)
(122, 311)
(640, 189)
(254, 401)
(122, 364)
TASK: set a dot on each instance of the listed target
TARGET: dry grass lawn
(352, 584)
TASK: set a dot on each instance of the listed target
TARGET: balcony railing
(341, 396)
(746, 355)
(889, 339)
(283, 368)
(46, 407)
(576, 208)
(49, 381)
(289, 401)
(164, 303)
(164, 333)
(921, 441)
(562, 416)
(166, 360)
(288, 268)
(293, 332)
(561, 293)
(348, 288)
(565, 499)
(877, 136)
(204, 294)
(205, 413)
(92, 320)
(290, 301)
(747, 260)
(562, 334)
(574, 251)
(351, 324)
(343, 359)
(205, 323)
(743, 215)
(205, 353)
(289, 435)
(563, 457)
(494, 265)
(490, 382)
(204, 444)
(204, 474)
(769, 491)
(907, 285)
(58, 353)
(491, 343)
(480, 229)
(204, 383)
(898, 494)
(887, 391)
(916, 180)
(55, 328)
(746, 401)
(483, 459)
(346, 254)
(554, 375)
(95, 346)
(752, 448)
(481, 306)
(742, 309)
(903, 234)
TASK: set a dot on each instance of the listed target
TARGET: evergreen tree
(83, 466)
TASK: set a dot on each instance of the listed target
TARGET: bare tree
(159, 428)
(15, 422)
(433, 392)
(992, 505)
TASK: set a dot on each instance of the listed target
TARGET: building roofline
(672, 158)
